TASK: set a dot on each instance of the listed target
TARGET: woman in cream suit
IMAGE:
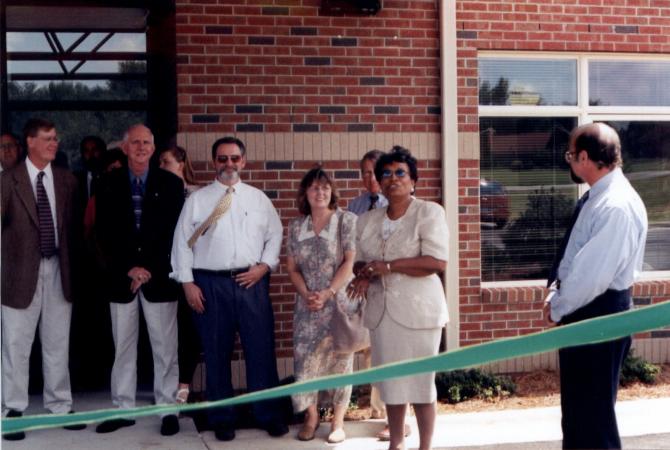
(400, 250)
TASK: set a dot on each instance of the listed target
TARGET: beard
(574, 177)
(228, 177)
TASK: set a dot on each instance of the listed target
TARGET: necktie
(46, 223)
(373, 201)
(553, 273)
(137, 201)
(221, 208)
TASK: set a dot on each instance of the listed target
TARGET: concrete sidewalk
(645, 424)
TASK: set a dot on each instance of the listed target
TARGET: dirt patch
(534, 389)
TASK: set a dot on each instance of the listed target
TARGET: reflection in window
(629, 83)
(527, 82)
(645, 149)
(526, 195)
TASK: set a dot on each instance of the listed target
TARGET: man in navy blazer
(137, 208)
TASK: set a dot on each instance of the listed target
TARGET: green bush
(635, 369)
(460, 385)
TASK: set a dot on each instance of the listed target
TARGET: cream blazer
(414, 302)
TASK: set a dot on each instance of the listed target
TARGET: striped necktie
(137, 195)
(46, 223)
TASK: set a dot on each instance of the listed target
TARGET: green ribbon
(587, 332)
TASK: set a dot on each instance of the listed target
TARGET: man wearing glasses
(226, 243)
(593, 277)
(38, 239)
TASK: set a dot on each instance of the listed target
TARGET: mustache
(223, 175)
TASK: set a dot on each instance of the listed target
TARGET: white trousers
(52, 313)
(161, 319)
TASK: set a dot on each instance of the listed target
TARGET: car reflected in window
(494, 203)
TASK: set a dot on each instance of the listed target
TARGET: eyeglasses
(569, 156)
(8, 146)
(399, 173)
(222, 159)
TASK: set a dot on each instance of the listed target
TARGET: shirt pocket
(254, 225)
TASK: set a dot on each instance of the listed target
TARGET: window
(528, 106)
(89, 69)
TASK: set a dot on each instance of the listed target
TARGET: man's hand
(194, 297)
(251, 277)
(546, 311)
(138, 276)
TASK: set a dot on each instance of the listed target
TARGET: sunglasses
(222, 159)
(399, 173)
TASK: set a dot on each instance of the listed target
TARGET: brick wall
(280, 66)
(631, 26)
(334, 86)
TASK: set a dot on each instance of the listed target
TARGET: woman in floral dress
(321, 250)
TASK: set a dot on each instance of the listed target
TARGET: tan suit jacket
(20, 234)
(414, 302)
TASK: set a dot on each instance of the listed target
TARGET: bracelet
(388, 266)
(332, 291)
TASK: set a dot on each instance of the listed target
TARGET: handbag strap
(340, 252)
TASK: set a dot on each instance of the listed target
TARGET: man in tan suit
(38, 229)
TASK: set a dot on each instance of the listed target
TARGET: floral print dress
(317, 258)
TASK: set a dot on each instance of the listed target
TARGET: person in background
(10, 151)
(592, 277)
(175, 160)
(91, 150)
(136, 213)
(400, 250)
(39, 237)
(372, 198)
(320, 260)
(226, 243)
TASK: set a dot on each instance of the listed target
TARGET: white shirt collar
(33, 171)
(329, 232)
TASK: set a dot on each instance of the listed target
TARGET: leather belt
(223, 273)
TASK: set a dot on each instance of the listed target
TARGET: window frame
(583, 112)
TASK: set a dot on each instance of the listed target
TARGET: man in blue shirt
(593, 278)
(372, 198)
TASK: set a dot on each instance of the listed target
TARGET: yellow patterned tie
(221, 208)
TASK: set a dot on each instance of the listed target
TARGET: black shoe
(19, 435)
(224, 433)
(76, 426)
(276, 429)
(169, 425)
(109, 426)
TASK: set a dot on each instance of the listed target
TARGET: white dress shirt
(606, 246)
(250, 232)
(48, 182)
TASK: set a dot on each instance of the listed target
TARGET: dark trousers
(230, 308)
(189, 348)
(590, 379)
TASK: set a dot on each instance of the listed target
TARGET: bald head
(600, 142)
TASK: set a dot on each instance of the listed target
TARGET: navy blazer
(124, 247)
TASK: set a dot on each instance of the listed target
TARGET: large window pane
(645, 149)
(526, 195)
(527, 82)
(629, 83)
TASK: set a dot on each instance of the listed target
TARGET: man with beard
(137, 208)
(226, 243)
(591, 278)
